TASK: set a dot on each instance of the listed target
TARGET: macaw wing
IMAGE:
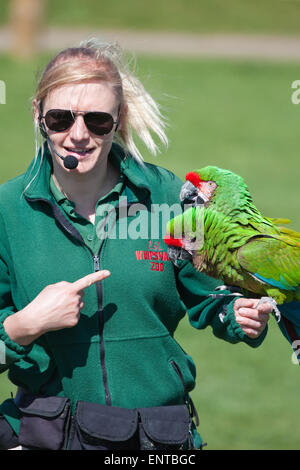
(278, 221)
(276, 230)
(272, 261)
(291, 234)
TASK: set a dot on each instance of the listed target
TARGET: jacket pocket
(44, 424)
(102, 427)
(189, 402)
(164, 427)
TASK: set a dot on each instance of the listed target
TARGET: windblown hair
(94, 60)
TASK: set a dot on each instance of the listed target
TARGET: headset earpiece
(42, 127)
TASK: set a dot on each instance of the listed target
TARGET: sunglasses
(60, 120)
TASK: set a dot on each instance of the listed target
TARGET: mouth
(78, 152)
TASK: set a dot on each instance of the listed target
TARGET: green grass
(246, 398)
(199, 16)
(238, 116)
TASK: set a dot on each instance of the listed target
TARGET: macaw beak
(175, 249)
(190, 194)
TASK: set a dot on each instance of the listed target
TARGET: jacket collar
(40, 169)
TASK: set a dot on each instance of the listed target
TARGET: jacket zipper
(101, 328)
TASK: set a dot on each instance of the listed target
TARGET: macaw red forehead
(194, 178)
(171, 241)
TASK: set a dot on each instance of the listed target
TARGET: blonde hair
(94, 60)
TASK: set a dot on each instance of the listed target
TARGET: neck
(84, 190)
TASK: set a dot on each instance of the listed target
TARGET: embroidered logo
(155, 254)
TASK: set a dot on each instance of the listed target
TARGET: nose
(79, 130)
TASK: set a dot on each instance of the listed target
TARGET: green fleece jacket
(122, 352)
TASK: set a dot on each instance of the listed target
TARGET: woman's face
(90, 150)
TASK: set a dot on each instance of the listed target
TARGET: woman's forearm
(21, 329)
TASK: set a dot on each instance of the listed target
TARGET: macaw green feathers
(279, 221)
(272, 261)
(232, 196)
(235, 242)
(290, 236)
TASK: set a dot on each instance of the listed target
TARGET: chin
(85, 165)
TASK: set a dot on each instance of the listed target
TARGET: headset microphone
(70, 162)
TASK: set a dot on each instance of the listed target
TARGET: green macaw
(226, 236)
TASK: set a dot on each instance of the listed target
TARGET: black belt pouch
(45, 420)
(8, 439)
(164, 427)
(101, 427)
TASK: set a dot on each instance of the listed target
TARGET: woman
(101, 371)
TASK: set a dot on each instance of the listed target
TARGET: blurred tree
(26, 18)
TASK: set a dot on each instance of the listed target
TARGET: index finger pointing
(90, 279)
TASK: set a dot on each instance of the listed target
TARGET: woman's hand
(251, 317)
(54, 308)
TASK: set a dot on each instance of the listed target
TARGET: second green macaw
(227, 237)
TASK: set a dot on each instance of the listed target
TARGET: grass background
(250, 16)
(236, 115)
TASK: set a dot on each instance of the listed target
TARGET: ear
(36, 110)
(37, 117)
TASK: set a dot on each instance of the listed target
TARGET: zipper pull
(96, 263)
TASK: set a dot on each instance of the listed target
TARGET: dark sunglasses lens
(58, 120)
(99, 123)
